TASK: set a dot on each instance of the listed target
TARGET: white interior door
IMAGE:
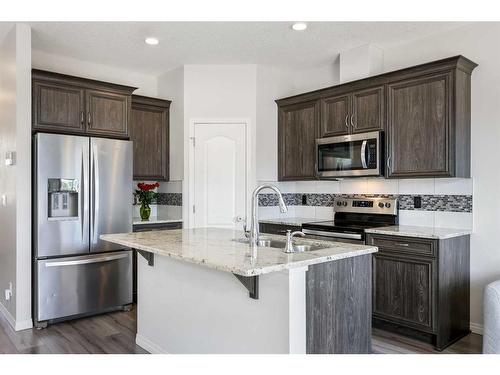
(219, 175)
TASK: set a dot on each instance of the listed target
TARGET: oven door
(350, 155)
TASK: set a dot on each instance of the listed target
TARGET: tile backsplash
(445, 202)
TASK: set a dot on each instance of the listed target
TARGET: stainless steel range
(352, 217)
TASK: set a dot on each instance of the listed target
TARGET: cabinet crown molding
(86, 83)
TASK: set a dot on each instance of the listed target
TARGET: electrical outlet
(8, 293)
(417, 202)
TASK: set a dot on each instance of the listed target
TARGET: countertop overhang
(219, 249)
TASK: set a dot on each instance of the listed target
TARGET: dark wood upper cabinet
(107, 113)
(368, 110)
(74, 105)
(297, 132)
(424, 111)
(353, 112)
(335, 115)
(149, 130)
(420, 124)
(58, 106)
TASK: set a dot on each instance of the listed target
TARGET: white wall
(15, 180)
(171, 87)
(476, 42)
(146, 84)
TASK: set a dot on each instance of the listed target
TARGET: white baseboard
(7, 315)
(148, 345)
(476, 328)
(22, 325)
(18, 326)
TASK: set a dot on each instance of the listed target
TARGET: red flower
(147, 187)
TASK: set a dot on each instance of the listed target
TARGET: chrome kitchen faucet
(254, 233)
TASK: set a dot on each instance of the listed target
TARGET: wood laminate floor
(114, 333)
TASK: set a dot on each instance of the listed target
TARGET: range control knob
(388, 205)
(339, 203)
(344, 203)
(381, 205)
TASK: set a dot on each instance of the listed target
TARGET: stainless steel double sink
(277, 244)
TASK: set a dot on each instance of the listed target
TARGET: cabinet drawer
(412, 246)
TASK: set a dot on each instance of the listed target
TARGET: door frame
(188, 187)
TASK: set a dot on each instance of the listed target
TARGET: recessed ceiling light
(151, 41)
(299, 26)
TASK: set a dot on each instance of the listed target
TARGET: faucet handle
(289, 240)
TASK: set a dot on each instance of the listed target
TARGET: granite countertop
(220, 249)
(138, 221)
(419, 232)
(298, 221)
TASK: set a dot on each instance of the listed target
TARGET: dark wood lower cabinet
(338, 312)
(421, 288)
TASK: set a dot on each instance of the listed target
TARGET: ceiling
(121, 44)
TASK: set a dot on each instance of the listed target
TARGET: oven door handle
(363, 154)
(350, 236)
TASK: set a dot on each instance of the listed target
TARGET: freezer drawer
(84, 284)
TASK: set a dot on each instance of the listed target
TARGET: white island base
(189, 308)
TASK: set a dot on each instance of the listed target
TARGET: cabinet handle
(352, 121)
(346, 124)
(403, 244)
(82, 117)
(389, 162)
(89, 118)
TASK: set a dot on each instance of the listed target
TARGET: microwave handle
(363, 154)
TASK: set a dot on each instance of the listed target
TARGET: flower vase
(145, 211)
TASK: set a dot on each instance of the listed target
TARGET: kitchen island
(205, 291)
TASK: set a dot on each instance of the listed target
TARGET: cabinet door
(419, 121)
(368, 110)
(335, 112)
(403, 290)
(297, 126)
(149, 131)
(107, 113)
(58, 107)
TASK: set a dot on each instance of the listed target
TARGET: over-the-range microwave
(353, 155)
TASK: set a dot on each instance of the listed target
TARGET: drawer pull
(403, 244)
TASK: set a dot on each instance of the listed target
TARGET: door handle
(95, 188)
(86, 261)
(363, 154)
(346, 123)
(89, 118)
(352, 122)
(82, 117)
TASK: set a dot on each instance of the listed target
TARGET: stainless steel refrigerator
(82, 189)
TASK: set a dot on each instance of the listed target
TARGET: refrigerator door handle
(95, 194)
(86, 261)
(83, 203)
